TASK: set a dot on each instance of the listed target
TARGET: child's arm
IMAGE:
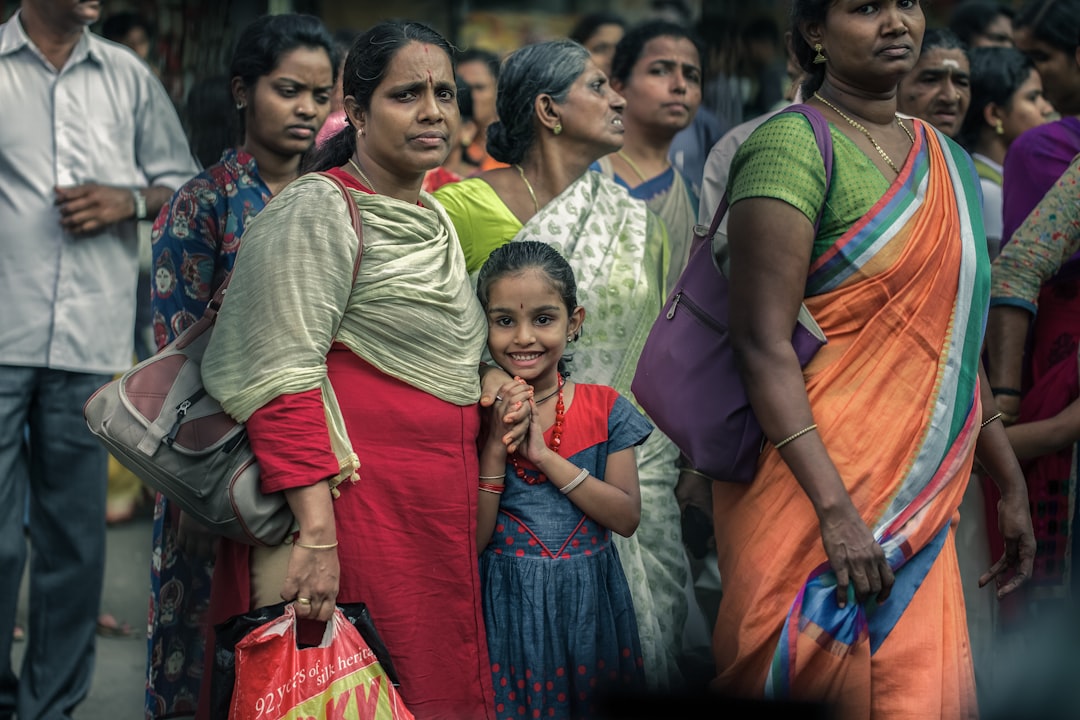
(614, 502)
(1042, 437)
(500, 423)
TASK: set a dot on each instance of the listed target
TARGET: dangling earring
(557, 129)
(360, 132)
(819, 58)
(999, 128)
(240, 104)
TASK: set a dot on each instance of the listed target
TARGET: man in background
(89, 144)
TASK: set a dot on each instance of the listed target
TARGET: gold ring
(303, 601)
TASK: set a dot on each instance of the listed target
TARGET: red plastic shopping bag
(338, 679)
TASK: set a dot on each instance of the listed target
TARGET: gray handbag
(158, 421)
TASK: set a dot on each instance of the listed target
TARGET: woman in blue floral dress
(282, 74)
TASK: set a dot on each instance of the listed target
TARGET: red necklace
(556, 440)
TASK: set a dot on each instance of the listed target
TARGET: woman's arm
(1014, 516)
(1042, 437)
(314, 570)
(768, 281)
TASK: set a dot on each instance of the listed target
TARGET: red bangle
(492, 488)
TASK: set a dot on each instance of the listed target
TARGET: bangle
(493, 489)
(1007, 391)
(331, 546)
(990, 419)
(797, 435)
(572, 485)
(493, 477)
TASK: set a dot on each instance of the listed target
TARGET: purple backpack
(687, 380)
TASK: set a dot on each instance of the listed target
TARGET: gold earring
(819, 58)
(360, 132)
(999, 128)
(557, 129)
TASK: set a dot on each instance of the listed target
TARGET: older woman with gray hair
(557, 116)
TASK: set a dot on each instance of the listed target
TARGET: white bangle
(570, 486)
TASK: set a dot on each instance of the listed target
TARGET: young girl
(560, 620)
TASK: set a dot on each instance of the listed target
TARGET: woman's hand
(493, 380)
(311, 582)
(855, 557)
(1014, 521)
(194, 539)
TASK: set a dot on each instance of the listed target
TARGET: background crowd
(940, 466)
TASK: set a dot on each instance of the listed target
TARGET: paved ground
(118, 688)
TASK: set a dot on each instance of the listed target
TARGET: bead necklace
(556, 439)
(371, 186)
(861, 128)
(528, 185)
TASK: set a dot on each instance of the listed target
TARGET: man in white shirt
(89, 144)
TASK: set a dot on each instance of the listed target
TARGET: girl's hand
(493, 381)
(311, 582)
(533, 447)
(510, 405)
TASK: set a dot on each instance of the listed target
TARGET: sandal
(109, 626)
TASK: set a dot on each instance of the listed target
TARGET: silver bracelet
(572, 485)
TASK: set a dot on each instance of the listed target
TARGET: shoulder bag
(687, 379)
(158, 420)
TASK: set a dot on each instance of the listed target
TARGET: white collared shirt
(68, 302)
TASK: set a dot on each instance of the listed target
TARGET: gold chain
(528, 185)
(861, 128)
(363, 177)
(632, 164)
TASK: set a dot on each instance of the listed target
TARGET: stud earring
(360, 132)
(569, 338)
(557, 129)
(999, 128)
(819, 58)
(240, 104)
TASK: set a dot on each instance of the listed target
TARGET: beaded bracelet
(990, 419)
(572, 485)
(797, 435)
(492, 488)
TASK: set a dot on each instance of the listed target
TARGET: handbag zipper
(181, 411)
(695, 310)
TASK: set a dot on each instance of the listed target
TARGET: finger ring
(498, 397)
(303, 601)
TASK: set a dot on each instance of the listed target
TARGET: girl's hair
(972, 17)
(632, 44)
(263, 44)
(808, 12)
(996, 74)
(587, 26)
(1055, 22)
(547, 68)
(517, 257)
(365, 66)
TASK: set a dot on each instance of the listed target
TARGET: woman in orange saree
(841, 583)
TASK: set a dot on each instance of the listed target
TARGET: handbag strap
(212, 308)
(824, 142)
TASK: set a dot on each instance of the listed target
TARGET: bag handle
(824, 142)
(214, 305)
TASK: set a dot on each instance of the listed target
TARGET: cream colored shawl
(411, 313)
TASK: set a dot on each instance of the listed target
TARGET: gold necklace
(858, 126)
(363, 177)
(528, 185)
(632, 164)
